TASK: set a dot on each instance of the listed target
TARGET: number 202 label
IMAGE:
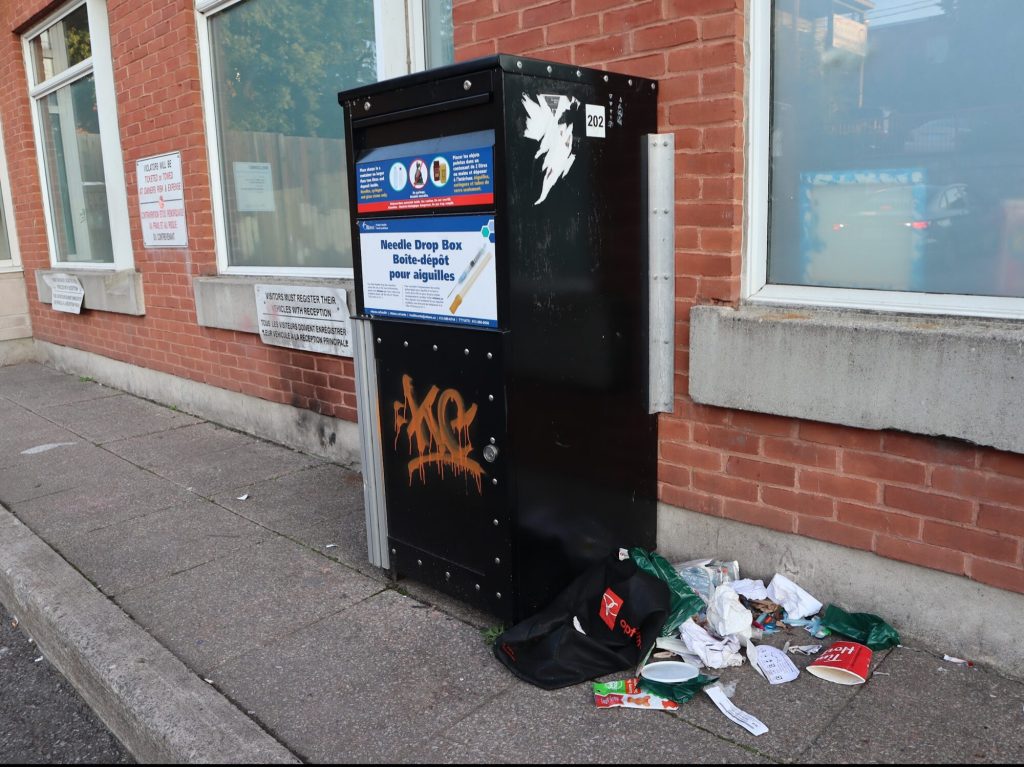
(595, 121)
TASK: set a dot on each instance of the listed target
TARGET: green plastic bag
(683, 601)
(861, 627)
(680, 692)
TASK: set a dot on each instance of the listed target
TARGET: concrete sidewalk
(311, 653)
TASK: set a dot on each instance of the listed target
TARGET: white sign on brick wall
(302, 317)
(162, 201)
(66, 292)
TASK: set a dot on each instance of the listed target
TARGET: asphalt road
(42, 718)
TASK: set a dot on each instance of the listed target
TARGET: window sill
(942, 376)
(228, 302)
(119, 292)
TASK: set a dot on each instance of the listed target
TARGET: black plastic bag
(620, 610)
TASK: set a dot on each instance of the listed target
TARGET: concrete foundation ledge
(332, 438)
(19, 350)
(943, 612)
(159, 709)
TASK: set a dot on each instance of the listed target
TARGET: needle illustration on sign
(472, 271)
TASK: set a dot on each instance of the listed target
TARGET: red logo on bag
(611, 603)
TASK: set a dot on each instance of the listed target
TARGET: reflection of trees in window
(280, 65)
(79, 44)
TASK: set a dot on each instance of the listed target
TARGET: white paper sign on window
(162, 201)
(254, 187)
(302, 317)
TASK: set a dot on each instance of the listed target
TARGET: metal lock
(490, 453)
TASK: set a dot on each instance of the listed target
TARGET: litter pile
(677, 625)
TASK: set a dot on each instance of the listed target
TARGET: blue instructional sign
(435, 269)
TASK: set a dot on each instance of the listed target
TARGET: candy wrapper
(626, 693)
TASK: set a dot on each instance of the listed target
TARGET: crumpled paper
(727, 616)
(797, 602)
(713, 653)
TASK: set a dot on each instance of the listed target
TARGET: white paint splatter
(555, 138)
(44, 448)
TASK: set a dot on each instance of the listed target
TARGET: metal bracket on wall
(661, 243)
(369, 441)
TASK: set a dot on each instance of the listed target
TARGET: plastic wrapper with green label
(626, 693)
(865, 628)
(680, 692)
(683, 601)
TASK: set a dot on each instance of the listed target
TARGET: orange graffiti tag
(437, 428)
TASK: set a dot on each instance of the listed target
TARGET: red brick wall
(159, 108)
(933, 502)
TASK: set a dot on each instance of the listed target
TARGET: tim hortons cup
(843, 663)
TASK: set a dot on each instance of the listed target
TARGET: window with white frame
(888, 159)
(272, 71)
(72, 89)
(8, 243)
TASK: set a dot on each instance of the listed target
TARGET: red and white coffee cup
(843, 663)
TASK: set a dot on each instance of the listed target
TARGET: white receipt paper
(749, 723)
(774, 665)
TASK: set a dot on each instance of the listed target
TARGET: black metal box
(499, 225)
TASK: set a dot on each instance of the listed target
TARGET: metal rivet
(550, 70)
(435, 347)
(477, 587)
(519, 65)
(490, 356)
(665, 142)
(494, 481)
(653, 86)
(366, 106)
(378, 340)
(419, 562)
(447, 576)
(495, 523)
(393, 552)
(467, 85)
(606, 78)
(490, 397)
(630, 81)
(405, 343)
(494, 441)
(498, 594)
(579, 73)
(466, 352)
(497, 560)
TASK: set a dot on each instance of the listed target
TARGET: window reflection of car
(886, 216)
(942, 135)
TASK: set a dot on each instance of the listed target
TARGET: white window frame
(100, 65)
(400, 35)
(12, 264)
(755, 287)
